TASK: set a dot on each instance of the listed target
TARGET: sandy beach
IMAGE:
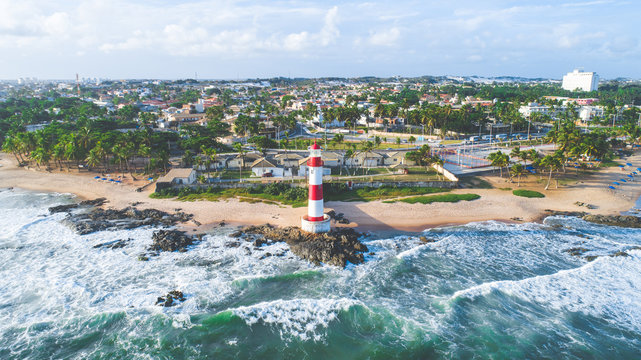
(494, 204)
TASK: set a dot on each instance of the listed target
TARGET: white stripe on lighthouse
(315, 176)
(315, 208)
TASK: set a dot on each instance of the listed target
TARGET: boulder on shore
(337, 247)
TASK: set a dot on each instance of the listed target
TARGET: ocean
(481, 290)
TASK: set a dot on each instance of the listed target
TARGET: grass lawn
(528, 193)
(372, 194)
(451, 198)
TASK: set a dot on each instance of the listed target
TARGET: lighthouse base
(315, 227)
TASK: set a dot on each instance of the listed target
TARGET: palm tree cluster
(56, 143)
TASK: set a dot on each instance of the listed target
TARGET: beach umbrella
(630, 176)
(150, 179)
(638, 169)
(96, 177)
(616, 183)
(103, 179)
(612, 187)
(622, 166)
(628, 164)
(624, 180)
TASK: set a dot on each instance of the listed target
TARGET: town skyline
(307, 39)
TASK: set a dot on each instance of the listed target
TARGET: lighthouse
(316, 221)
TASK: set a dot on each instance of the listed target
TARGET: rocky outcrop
(69, 207)
(628, 221)
(116, 244)
(172, 240)
(127, 218)
(337, 247)
(171, 299)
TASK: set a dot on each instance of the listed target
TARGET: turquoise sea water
(482, 290)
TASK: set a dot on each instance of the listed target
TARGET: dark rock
(620, 253)
(222, 223)
(94, 202)
(614, 220)
(170, 299)
(143, 258)
(170, 240)
(565, 213)
(232, 244)
(236, 234)
(426, 240)
(127, 218)
(576, 251)
(116, 244)
(591, 258)
(337, 247)
(62, 208)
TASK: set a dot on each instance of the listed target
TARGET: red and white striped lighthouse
(316, 221)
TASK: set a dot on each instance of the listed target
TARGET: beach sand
(494, 204)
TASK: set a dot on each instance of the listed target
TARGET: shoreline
(495, 204)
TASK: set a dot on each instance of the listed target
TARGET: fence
(461, 159)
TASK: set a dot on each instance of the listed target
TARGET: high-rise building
(577, 79)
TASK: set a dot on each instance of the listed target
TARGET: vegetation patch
(528, 193)
(450, 198)
(283, 193)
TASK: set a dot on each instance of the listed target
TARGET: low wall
(446, 173)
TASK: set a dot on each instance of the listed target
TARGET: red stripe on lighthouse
(315, 218)
(315, 192)
(314, 162)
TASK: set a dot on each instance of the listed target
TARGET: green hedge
(528, 193)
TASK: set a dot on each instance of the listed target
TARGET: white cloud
(387, 37)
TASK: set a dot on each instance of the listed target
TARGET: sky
(118, 39)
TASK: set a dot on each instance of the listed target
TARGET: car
(486, 137)
(474, 139)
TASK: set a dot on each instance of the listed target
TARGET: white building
(588, 113)
(586, 81)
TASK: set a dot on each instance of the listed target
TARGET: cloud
(387, 37)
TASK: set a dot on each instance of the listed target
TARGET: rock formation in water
(337, 247)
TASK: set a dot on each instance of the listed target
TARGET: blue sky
(246, 39)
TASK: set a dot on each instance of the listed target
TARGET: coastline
(494, 204)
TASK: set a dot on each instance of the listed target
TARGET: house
(236, 161)
(288, 159)
(396, 158)
(262, 166)
(368, 159)
(176, 176)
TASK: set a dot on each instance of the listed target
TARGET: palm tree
(93, 159)
(11, 146)
(552, 163)
(241, 152)
(338, 139)
(516, 152)
(59, 153)
(499, 159)
(517, 170)
(367, 147)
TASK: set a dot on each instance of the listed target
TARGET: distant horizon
(306, 78)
